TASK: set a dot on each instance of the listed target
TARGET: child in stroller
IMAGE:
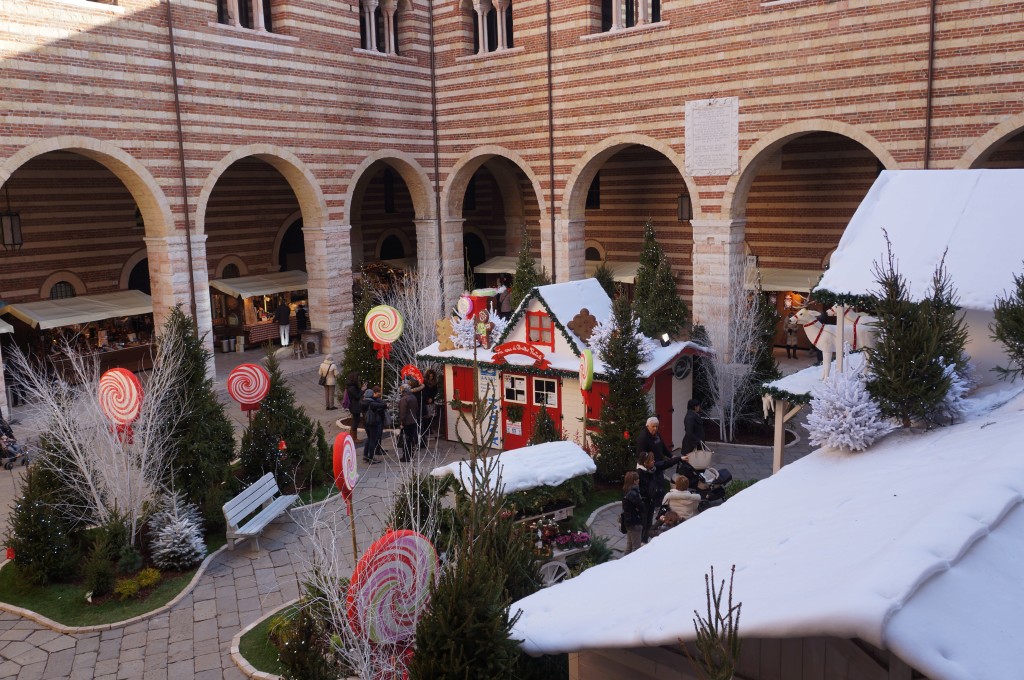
(11, 451)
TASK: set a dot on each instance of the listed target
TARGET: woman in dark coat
(693, 427)
(652, 485)
(632, 511)
(355, 402)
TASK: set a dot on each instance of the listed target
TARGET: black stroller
(11, 452)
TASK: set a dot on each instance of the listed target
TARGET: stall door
(663, 406)
(522, 397)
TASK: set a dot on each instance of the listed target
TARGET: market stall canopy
(83, 309)
(503, 264)
(970, 217)
(262, 284)
(623, 272)
(776, 280)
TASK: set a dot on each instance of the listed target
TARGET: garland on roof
(535, 293)
(825, 297)
(518, 368)
(785, 395)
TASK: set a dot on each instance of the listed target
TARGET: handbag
(700, 458)
(322, 380)
(622, 522)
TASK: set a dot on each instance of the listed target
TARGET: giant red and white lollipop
(248, 384)
(383, 325)
(346, 473)
(390, 587)
(120, 394)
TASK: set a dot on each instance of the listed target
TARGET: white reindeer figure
(858, 332)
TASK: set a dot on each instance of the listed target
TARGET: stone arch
(57, 277)
(462, 172)
(275, 252)
(979, 152)
(312, 203)
(126, 271)
(736, 191)
(243, 270)
(578, 183)
(480, 235)
(414, 176)
(397, 233)
(148, 195)
(596, 245)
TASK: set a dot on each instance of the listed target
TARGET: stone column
(169, 277)
(502, 6)
(257, 15)
(643, 13)
(4, 406)
(233, 12)
(482, 7)
(617, 10)
(718, 263)
(370, 7)
(452, 263)
(329, 267)
(388, 8)
(570, 249)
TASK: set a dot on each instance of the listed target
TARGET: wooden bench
(264, 492)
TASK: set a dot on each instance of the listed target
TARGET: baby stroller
(12, 453)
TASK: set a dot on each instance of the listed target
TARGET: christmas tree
(703, 371)
(764, 367)
(908, 376)
(625, 410)
(657, 301)
(203, 440)
(843, 414)
(278, 420)
(1008, 329)
(526, 277)
(360, 356)
(544, 429)
(176, 534)
(41, 532)
(604, 276)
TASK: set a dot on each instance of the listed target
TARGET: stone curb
(595, 513)
(243, 665)
(73, 630)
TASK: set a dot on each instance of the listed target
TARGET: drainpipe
(437, 152)
(930, 86)
(181, 163)
(551, 148)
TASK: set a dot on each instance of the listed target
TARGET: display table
(134, 358)
(258, 333)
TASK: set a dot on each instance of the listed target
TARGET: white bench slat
(266, 516)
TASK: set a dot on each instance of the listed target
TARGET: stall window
(515, 388)
(62, 290)
(539, 329)
(545, 392)
(462, 386)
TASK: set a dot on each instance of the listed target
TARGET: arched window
(230, 271)
(619, 14)
(378, 26)
(494, 17)
(138, 279)
(592, 255)
(62, 290)
(392, 248)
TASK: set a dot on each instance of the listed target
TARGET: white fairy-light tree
(420, 300)
(110, 474)
(733, 333)
(844, 415)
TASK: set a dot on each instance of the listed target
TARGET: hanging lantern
(281, 446)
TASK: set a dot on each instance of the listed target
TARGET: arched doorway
(383, 237)
(291, 254)
(138, 279)
(1007, 154)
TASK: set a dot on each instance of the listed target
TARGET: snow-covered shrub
(464, 331)
(961, 382)
(843, 414)
(603, 331)
(176, 532)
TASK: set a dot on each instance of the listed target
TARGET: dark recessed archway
(292, 253)
(138, 279)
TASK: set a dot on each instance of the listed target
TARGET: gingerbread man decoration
(583, 324)
(443, 328)
(483, 328)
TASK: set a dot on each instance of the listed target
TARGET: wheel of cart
(552, 572)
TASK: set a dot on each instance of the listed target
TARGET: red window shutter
(594, 400)
(462, 385)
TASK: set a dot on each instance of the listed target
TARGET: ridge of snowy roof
(564, 301)
(874, 545)
(971, 216)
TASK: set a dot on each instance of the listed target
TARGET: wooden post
(780, 433)
(352, 523)
(840, 337)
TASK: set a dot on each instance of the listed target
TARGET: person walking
(373, 415)
(283, 318)
(429, 403)
(408, 409)
(329, 379)
(505, 298)
(354, 392)
(632, 511)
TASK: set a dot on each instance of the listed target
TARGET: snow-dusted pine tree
(176, 531)
(843, 414)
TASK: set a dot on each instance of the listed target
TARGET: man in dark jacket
(652, 487)
(408, 418)
(649, 441)
(693, 427)
(373, 413)
(283, 318)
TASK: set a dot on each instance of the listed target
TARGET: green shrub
(148, 577)
(129, 560)
(99, 575)
(43, 538)
(126, 588)
(737, 485)
(301, 647)
(534, 501)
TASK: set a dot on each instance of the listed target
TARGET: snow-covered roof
(803, 382)
(564, 301)
(529, 467)
(913, 546)
(972, 215)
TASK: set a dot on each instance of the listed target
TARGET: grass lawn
(65, 602)
(256, 648)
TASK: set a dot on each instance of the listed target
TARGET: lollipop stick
(382, 372)
(352, 522)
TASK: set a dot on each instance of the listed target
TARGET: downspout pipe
(930, 85)
(551, 146)
(437, 145)
(181, 163)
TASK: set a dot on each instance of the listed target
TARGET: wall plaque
(712, 136)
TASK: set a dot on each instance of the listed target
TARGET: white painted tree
(843, 414)
(419, 299)
(732, 330)
(109, 474)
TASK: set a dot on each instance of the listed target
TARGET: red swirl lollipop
(120, 395)
(346, 472)
(390, 587)
(415, 372)
(248, 384)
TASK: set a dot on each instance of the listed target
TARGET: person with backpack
(329, 380)
(632, 511)
(353, 402)
(373, 409)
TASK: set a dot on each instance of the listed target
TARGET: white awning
(6, 327)
(797, 280)
(262, 284)
(83, 309)
(502, 264)
(623, 272)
